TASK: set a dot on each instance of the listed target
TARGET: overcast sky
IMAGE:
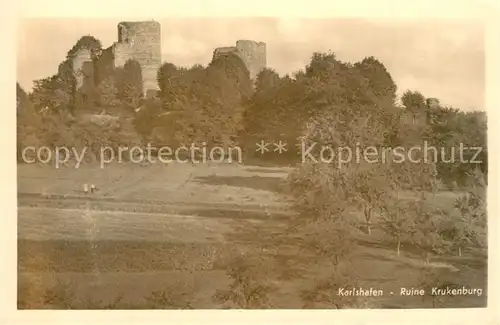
(442, 59)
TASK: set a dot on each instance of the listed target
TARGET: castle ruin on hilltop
(252, 53)
(141, 41)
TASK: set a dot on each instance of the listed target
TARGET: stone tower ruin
(139, 41)
(252, 53)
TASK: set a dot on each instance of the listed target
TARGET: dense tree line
(219, 104)
(329, 102)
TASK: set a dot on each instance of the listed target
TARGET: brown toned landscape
(278, 228)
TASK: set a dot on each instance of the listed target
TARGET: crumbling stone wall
(104, 65)
(84, 74)
(252, 53)
(80, 63)
(225, 50)
(140, 41)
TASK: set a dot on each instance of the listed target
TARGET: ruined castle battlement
(252, 53)
(141, 41)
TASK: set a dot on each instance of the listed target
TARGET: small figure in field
(92, 188)
(86, 188)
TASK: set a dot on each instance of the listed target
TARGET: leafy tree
(107, 94)
(450, 129)
(319, 192)
(398, 221)
(468, 225)
(429, 235)
(211, 109)
(274, 112)
(413, 129)
(382, 93)
(379, 80)
(85, 42)
(248, 288)
(321, 66)
(414, 101)
(48, 95)
(28, 123)
(372, 187)
(460, 232)
(147, 118)
(363, 184)
(168, 78)
(330, 239)
(341, 116)
(129, 85)
(267, 79)
(233, 67)
(23, 103)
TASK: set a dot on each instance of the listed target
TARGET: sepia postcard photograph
(257, 162)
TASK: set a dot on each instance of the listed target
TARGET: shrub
(249, 287)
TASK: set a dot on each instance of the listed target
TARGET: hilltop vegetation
(218, 105)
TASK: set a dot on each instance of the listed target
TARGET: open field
(166, 227)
